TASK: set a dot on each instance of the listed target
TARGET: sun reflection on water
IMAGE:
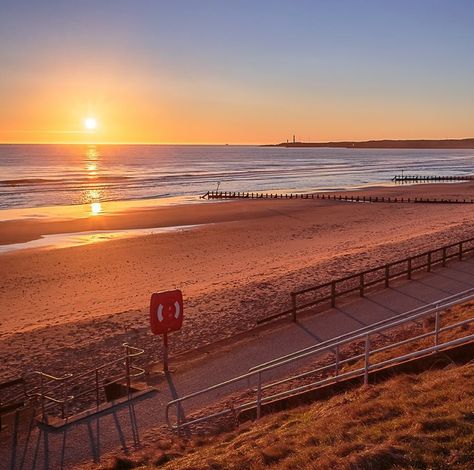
(92, 196)
(96, 208)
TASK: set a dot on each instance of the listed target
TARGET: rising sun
(90, 123)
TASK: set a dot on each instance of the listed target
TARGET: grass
(423, 421)
(409, 422)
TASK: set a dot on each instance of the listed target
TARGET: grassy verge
(407, 422)
(422, 421)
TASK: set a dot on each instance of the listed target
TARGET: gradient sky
(200, 71)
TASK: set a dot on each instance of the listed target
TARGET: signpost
(166, 314)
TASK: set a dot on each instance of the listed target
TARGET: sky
(215, 71)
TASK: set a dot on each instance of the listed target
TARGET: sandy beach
(70, 308)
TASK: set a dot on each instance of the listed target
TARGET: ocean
(55, 175)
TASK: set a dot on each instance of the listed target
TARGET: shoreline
(78, 305)
(57, 227)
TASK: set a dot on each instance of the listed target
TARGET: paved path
(122, 427)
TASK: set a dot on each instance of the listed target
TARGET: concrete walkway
(122, 427)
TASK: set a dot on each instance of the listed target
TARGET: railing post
(178, 418)
(460, 251)
(437, 325)
(43, 413)
(337, 361)
(127, 369)
(64, 407)
(293, 306)
(366, 365)
(333, 293)
(361, 285)
(409, 269)
(97, 395)
(259, 395)
(387, 275)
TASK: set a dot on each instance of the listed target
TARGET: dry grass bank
(423, 421)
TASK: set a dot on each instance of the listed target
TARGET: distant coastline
(385, 144)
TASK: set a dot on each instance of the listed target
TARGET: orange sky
(128, 109)
(221, 73)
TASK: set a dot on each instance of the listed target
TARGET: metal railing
(359, 283)
(70, 393)
(334, 370)
(444, 303)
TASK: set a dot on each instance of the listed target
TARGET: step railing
(66, 395)
(335, 368)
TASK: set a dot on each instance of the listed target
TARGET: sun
(90, 123)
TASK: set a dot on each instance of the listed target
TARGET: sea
(56, 175)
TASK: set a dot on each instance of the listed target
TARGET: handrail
(443, 303)
(51, 377)
(363, 335)
(84, 379)
(356, 336)
(352, 373)
(373, 351)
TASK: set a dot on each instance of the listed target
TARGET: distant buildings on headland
(385, 144)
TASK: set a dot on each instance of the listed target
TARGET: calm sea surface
(51, 175)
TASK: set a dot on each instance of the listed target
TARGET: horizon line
(231, 144)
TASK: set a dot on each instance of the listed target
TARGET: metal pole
(293, 305)
(165, 352)
(64, 404)
(97, 398)
(43, 414)
(178, 418)
(366, 366)
(437, 325)
(259, 395)
(127, 370)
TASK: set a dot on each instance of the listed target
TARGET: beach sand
(71, 308)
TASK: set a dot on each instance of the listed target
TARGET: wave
(88, 179)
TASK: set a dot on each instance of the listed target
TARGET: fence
(333, 197)
(421, 178)
(344, 358)
(62, 397)
(361, 282)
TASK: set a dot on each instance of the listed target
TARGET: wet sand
(73, 307)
